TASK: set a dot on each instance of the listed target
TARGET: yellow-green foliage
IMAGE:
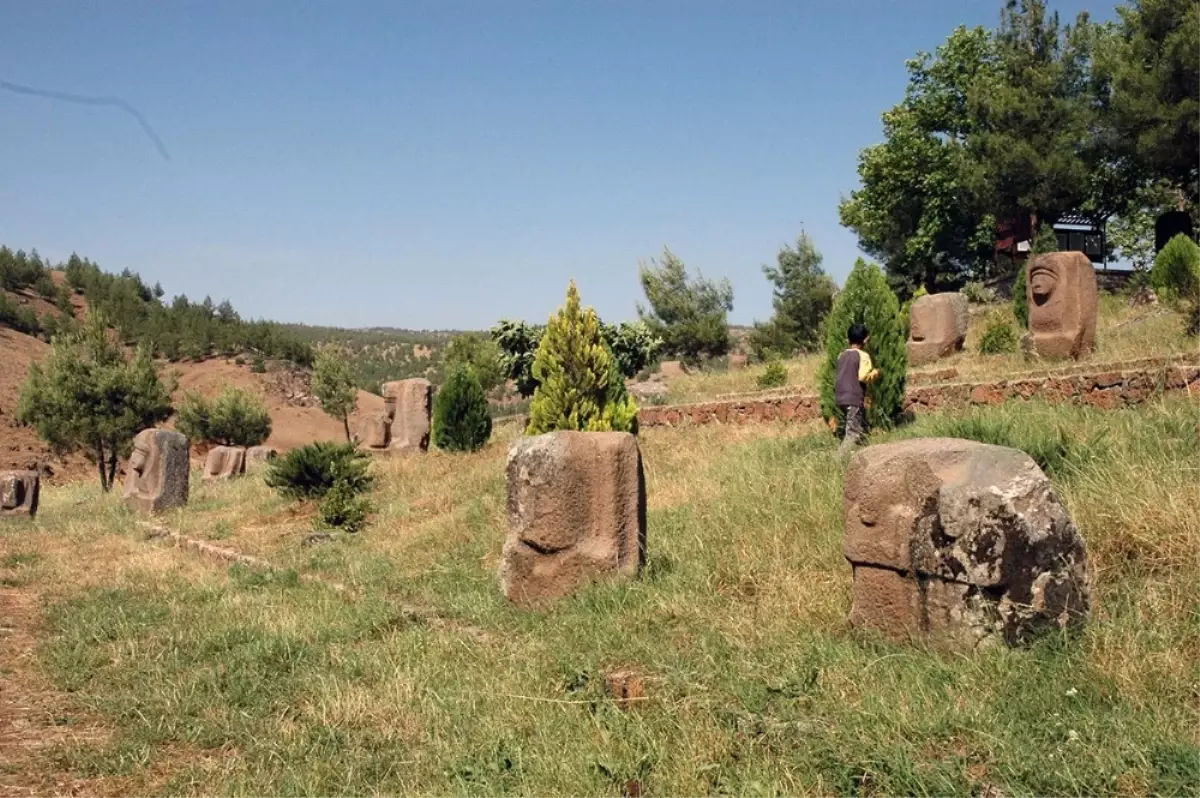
(579, 384)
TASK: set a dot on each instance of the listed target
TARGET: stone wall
(1100, 385)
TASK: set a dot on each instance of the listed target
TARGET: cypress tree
(461, 422)
(579, 384)
(868, 300)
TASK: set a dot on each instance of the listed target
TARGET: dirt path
(35, 718)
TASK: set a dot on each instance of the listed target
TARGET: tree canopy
(690, 315)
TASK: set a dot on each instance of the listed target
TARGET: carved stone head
(1063, 302)
(157, 477)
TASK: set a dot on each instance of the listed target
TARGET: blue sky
(441, 164)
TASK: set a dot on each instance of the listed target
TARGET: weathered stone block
(257, 458)
(158, 471)
(413, 408)
(1063, 303)
(978, 531)
(937, 327)
(19, 492)
(576, 513)
(224, 462)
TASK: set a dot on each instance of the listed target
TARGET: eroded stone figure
(375, 429)
(576, 513)
(257, 458)
(224, 462)
(19, 491)
(1063, 303)
(937, 327)
(961, 542)
(157, 478)
(411, 415)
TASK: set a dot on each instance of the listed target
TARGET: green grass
(221, 680)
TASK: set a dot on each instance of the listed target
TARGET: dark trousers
(856, 426)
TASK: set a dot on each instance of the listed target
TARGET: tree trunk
(100, 464)
(112, 467)
(346, 424)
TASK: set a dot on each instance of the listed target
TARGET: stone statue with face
(19, 494)
(1063, 303)
(375, 429)
(937, 327)
(157, 477)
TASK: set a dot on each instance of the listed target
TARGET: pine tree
(690, 315)
(802, 298)
(461, 422)
(579, 383)
(868, 300)
(86, 396)
(333, 385)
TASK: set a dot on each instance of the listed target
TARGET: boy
(854, 371)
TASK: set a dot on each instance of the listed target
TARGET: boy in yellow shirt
(854, 372)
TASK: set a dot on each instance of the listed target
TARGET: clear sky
(445, 163)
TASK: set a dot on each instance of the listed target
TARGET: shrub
(461, 422)
(479, 352)
(774, 376)
(579, 386)
(235, 418)
(311, 471)
(45, 287)
(1020, 300)
(19, 317)
(1046, 240)
(979, 294)
(999, 337)
(868, 300)
(1176, 272)
(342, 508)
(258, 366)
(632, 344)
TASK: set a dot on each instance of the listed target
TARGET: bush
(258, 366)
(1020, 299)
(632, 344)
(979, 294)
(868, 300)
(461, 422)
(235, 418)
(999, 337)
(579, 386)
(311, 471)
(775, 375)
(1176, 272)
(342, 508)
(479, 352)
(19, 317)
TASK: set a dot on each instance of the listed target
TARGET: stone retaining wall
(1108, 387)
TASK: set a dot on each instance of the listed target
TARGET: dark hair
(858, 333)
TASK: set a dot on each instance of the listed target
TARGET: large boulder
(411, 404)
(1063, 304)
(224, 462)
(257, 458)
(576, 513)
(937, 327)
(19, 491)
(960, 542)
(157, 477)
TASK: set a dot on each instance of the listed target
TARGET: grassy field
(1122, 333)
(405, 671)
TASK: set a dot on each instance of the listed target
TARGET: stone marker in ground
(19, 491)
(1063, 303)
(961, 543)
(257, 458)
(411, 418)
(157, 477)
(672, 369)
(224, 462)
(576, 513)
(375, 429)
(937, 327)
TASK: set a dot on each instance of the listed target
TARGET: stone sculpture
(224, 462)
(960, 542)
(576, 513)
(375, 429)
(937, 327)
(411, 410)
(1063, 303)
(158, 471)
(19, 491)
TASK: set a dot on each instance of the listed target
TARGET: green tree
(632, 344)
(235, 418)
(86, 396)
(1176, 272)
(689, 315)
(1147, 74)
(518, 343)
(867, 299)
(578, 384)
(479, 352)
(461, 422)
(802, 298)
(1020, 297)
(333, 384)
(1131, 233)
